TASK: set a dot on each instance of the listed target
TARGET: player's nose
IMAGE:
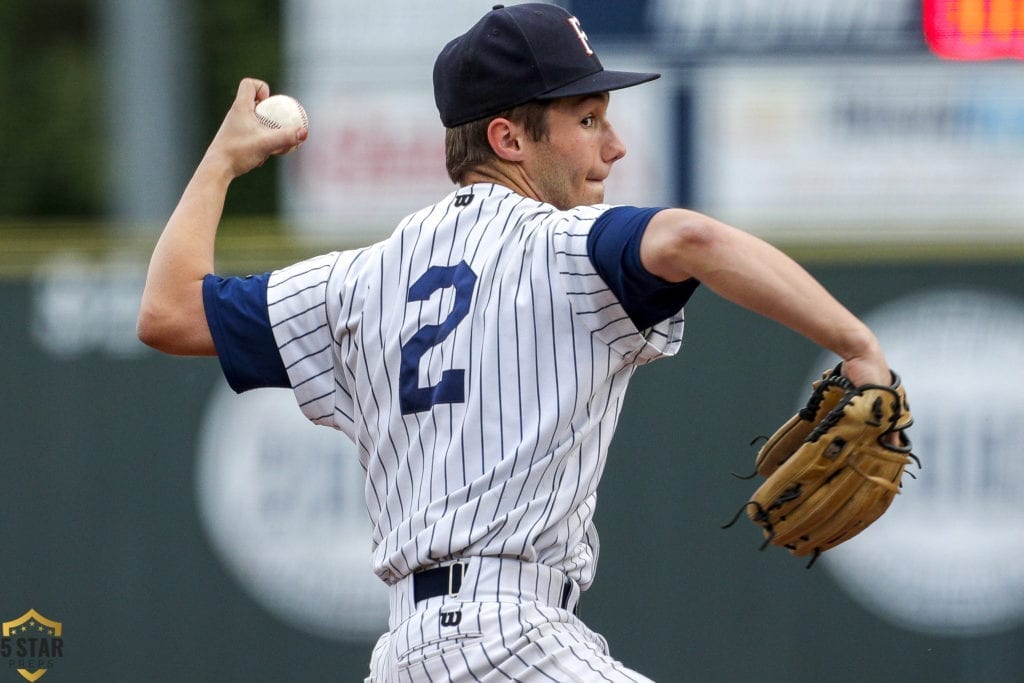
(615, 149)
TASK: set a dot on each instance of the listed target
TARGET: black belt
(431, 583)
(447, 580)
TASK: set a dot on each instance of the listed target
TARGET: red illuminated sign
(975, 29)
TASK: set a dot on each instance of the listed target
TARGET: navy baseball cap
(518, 54)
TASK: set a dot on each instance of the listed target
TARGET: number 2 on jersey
(451, 387)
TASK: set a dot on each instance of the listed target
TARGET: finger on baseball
(251, 91)
(285, 140)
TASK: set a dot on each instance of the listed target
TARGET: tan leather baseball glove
(833, 468)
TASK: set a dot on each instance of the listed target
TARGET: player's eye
(588, 121)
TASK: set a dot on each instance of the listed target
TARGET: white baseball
(281, 111)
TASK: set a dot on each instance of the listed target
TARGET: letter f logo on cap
(575, 23)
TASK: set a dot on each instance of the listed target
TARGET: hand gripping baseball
(243, 143)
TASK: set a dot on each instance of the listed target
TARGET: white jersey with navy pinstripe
(479, 363)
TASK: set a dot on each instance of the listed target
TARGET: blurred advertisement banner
(863, 150)
(703, 29)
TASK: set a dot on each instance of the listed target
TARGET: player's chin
(594, 193)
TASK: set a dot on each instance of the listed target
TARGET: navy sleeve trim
(614, 248)
(236, 311)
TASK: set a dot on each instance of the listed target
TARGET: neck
(506, 175)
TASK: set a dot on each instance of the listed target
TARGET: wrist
(863, 359)
(216, 169)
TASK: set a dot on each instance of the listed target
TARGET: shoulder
(318, 269)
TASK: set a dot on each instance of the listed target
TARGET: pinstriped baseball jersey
(479, 363)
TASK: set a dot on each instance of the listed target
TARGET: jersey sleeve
(236, 312)
(614, 246)
(314, 309)
(596, 301)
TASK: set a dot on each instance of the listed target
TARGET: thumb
(284, 140)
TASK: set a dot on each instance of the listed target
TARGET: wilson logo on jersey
(464, 199)
(451, 618)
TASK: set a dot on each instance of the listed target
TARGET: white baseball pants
(506, 623)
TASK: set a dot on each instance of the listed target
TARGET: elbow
(174, 328)
(149, 328)
(162, 327)
(174, 323)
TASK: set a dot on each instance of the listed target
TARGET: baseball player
(479, 356)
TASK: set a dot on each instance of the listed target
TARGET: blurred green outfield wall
(101, 531)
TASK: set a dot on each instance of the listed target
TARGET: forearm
(189, 237)
(756, 275)
(171, 317)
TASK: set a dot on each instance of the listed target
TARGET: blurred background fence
(179, 532)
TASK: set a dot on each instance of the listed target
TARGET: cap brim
(601, 81)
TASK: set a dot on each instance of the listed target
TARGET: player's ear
(505, 139)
